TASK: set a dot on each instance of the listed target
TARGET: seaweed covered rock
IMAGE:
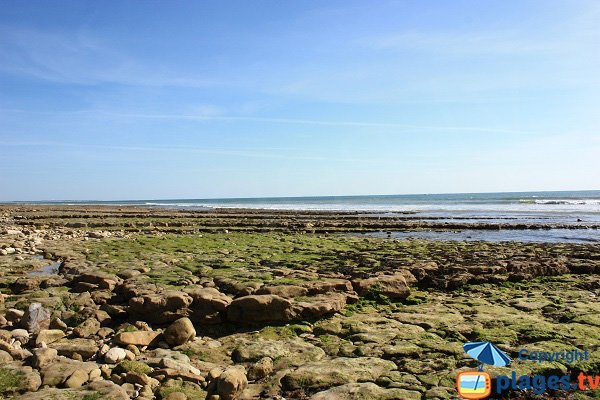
(365, 390)
(391, 286)
(338, 371)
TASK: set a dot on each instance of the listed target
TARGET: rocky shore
(235, 304)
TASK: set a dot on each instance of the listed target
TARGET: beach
(171, 302)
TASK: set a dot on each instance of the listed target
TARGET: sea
(578, 209)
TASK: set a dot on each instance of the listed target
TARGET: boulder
(338, 371)
(62, 369)
(137, 338)
(180, 332)
(95, 280)
(77, 379)
(208, 305)
(160, 308)
(22, 285)
(176, 396)
(87, 328)
(17, 378)
(231, 383)
(35, 318)
(392, 286)
(108, 390)
(176, 365)
(20, 335)
(13, 315)
(328, 286)
(115, 355)
(319, 306)
(255, 309)
(293, 351)
(5, 357)
(367, 390)
(286, 291)
(86, 348)
(49, 336)
(43, 357)
(261, 369)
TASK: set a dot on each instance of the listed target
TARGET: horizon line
(90, 201)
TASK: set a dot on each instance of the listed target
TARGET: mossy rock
(133, 366)
(191, 390)
(10, 381)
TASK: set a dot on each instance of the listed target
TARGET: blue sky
(173, 99)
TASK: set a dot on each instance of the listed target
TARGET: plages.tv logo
(478, 384)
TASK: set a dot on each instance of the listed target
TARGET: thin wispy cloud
(262, 153)
(81, 58)
(208, 113)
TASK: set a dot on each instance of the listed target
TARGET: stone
(294, 351)
(17, 378)
(108, 390)
(85, 348)
(100, 280)
(366, 390)
(128, 273)
(328, 286)
(134, 349)
(77, 379)
(87, 328)
(208, 305)
(129, 355)
(392, 286)
(285, 291)
(179, 366)
(160, 308)
(35, 318)
(180, 332)
(104, 332)
(115, 355)
(261, 369)
(135, 366)
(176, 396)
(57, 323)
(21, 335)
(338, 371)
(138, 338)
(13, 315)
(22, 285)
(43, 357)
(263, 308)
(95, 374)
(5, 357)
(138, 378)
(49, 336)
(231, 383)
(319, 306)
(61, 369)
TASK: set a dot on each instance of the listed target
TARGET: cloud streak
(207, 114)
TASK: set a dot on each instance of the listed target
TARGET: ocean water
(571, 204)
(573, 208)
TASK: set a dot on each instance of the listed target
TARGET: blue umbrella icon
(487, 353)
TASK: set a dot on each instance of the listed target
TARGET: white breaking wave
(567, 201)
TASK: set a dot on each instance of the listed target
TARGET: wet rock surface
(200, 313)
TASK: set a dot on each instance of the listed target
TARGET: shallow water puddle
(507, 235)
(51, 269)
